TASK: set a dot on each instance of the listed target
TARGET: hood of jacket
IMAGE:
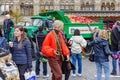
(101, 53)
(100, 40)
(1, 40)
(77, 39)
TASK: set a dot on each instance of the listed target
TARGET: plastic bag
(30, 75)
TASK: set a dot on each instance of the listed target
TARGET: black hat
(3, 52)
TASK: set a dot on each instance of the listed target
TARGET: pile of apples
(80, 19)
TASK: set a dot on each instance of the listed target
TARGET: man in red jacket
(54, 48)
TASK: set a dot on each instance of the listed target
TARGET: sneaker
(79, 74)
(113, 73)
(45, 76)
(73, 75)
(37, 76)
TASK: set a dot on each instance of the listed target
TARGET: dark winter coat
(3, 43)
(22, 55)
(49, 24)
(8, 24)
(39, 38)
(115, 39)
(101, 49)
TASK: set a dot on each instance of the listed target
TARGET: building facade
(30, 7)
(89, 8)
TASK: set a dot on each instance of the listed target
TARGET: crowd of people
(19, 47)
(53, 48)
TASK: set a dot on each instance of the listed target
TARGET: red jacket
(49, 45)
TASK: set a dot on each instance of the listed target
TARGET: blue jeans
(76, 57)
(114, 63)
(37, 69)
(106, 68)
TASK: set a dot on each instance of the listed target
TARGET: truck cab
(36, 22)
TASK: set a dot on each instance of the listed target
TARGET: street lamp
(5, 6)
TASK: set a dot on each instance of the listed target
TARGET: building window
(103, 6)
(67, 5)
(83, 6)
(6, 6)
(91, 7)
(108, 6)
(26, 7)
(112, 6)
(87, 6)
(46, 5)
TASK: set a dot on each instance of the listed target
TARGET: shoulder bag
(59, 46)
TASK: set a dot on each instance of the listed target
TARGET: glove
(118, 52)
(114, 56)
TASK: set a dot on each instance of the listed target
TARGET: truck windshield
(37, 22)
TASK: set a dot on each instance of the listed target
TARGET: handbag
(59, 45)
(67, 66)
(91, 56)
(83, 49)
(30, 75)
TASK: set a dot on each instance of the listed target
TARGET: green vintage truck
(69, 27)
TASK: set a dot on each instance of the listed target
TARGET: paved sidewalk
(89, 72)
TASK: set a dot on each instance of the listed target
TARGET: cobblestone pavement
(89, 72)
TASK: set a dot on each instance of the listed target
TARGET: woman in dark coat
(102, 51)
(21, 51)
